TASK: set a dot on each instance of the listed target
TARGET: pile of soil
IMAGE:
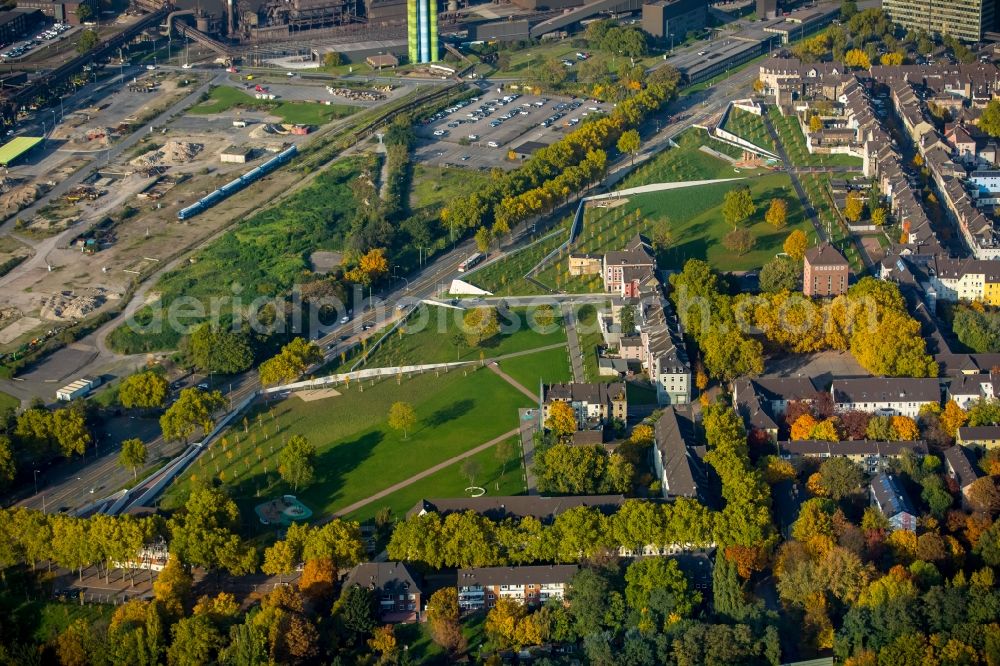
(172, 153)
(67, 305)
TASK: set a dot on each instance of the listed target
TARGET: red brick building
(825, 271)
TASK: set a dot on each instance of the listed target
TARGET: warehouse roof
(17, 147)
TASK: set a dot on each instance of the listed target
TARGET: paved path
(575, 355)
(793, 175)
(513, 382)
(421, 475)
(528, 423)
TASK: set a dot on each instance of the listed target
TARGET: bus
(470, 262)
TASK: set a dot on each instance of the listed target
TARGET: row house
(960, 465)
(481, 588)
(870, 455)
(663, 353)
(762, 401)
(789, 80)
(889, 497)
(981, 437)
(967, 389)
(678, 463)
(593, 404)
(501, 507)
(966, 280)
(885, 396)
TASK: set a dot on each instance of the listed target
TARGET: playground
(283, 511)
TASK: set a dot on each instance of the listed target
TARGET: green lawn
(357, 453)
(550, 366)
(8, 401)
(436, 186)
(498, 477)
(750, 127)
(422, 650)
(224, 98)
(794, 142)
(506, 276)
(431, 333)
(685, 162)
(697, 224)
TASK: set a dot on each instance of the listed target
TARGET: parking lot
(44, 36)
(492, 124)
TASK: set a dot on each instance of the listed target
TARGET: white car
(493, 144)
(473, 137)
(186, 65)
(150, 67)
(439, 132)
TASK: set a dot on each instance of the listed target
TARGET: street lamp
(36, 481)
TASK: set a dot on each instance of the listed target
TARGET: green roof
(17, 147)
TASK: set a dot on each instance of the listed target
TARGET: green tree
(143, 390)
(332, 59)
(295, 462)
(629, 143)
(193, 409)
(195, 641)
(840, 477)
(780, 274)
(221, 350)
(358, 611)
(133, 455)
(88, 39)
(627, 316)
(663, 235)
(989, 121)
(203, 533)
(8, 467)
(70, 431)
(290, 363)
(484, 238)
(402, 416)
(738, 206)
(658, 584)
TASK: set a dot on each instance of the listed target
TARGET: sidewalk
(575, 355)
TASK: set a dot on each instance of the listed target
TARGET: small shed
(236, 155)
(382, 60)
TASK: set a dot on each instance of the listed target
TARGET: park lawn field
(497, 477)
(749, 126)
(817, 191)
(265, 253)
(436, 186)
(431, 333)
(224, 98)
(550, 366)
(7, 401)
(505, 277)
(697, 224)
(358, 454)
(684, 162)
(421, 649)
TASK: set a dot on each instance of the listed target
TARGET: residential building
(479, 589)
(593, 403)
(886, 396)
(499, 507)
(965, 279)
(968, 389)
(960, 463)
(677, 462)
(674, 19)
(774, 393)
(870, 455)
(422, 31)
(985, 437)
(889, 497)
(964, 19)
(663, 353)
(395, 586)
(16, 23)
(585, 264)
(825, 271)
(631, 271)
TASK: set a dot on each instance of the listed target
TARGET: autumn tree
(133, 455)
(203, 533)
(289, 364)
(796, 244)
(738, 206)
(144, 390)
(739, 241)
(777, 213)
(854, 207)
(480, 324)
(857, 58)
(372, 266)
(295, 461)
(443, 618)
(402, 416)
(194, 409)
(561, 420)
(953, 417)
(483, 238)
(879, 216)
(502, 623)
(172, 587)
(815, 123)
(383, 641)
